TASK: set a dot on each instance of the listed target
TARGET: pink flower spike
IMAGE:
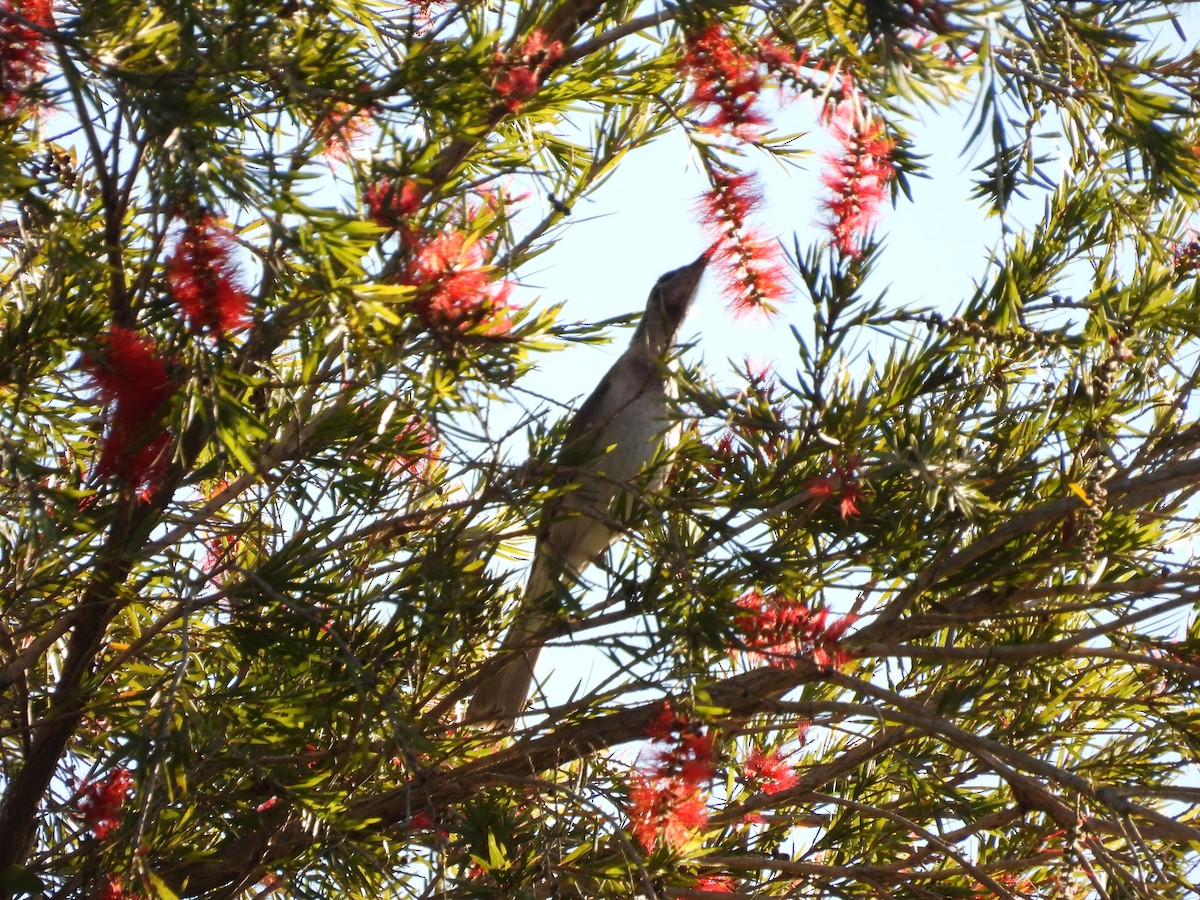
(342, 128)
(781, 631)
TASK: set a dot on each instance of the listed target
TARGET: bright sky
(643, 222)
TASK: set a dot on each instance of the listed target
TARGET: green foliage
(272, 624)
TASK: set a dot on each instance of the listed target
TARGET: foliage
(914, 623)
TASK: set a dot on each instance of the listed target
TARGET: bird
(625, 425)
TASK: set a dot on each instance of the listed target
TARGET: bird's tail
(502, 696)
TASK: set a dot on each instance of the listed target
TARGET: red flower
(204, 280)
(716, 884)
(688, 755)
(781, 630)
(516, 85)
(458, 291)
(420, 450)
(520, 77)
(769, 771)
(342, 127)
(112, 890)
(390, 204)
(752, 270)
(842, 485)
(857, 176)
(424, 10)
(780, 58)
(724, 77)
(100, 802)
(132, 383)
(22, 59)
(666, 810)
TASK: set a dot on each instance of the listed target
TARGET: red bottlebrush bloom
(726, 78)
(204, 279)
(770, 772)
(716, 884)
(101, 803)
(420, 450)
(688, 755)
(342, 128)
(858, 176)
(781, 630)
(842, 485)
(424, 10)
(666, 810)
(22, 56)
(458, 290)
(389, 204)
(667, 725)
(112, 890)
(778, 58)
(132, 382)
(752, 270)
(516, 85)
(520, 77)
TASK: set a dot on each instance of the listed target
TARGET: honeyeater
(627, 424)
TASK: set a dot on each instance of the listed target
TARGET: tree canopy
(915, 617)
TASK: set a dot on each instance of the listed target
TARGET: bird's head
(668, 305)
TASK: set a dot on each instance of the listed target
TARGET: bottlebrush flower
(419, 451)
(458, 291)
(342, 128)
(769, 772)
(113, 889)
(857, 175)
(22, 56)
(666, 810)
(716, 884)
(723, 77)
(519, 78)
(841, 485)
(101, 803)
(752, 270)
(781, 630)
(132, 383)
(389, 203)
(423, 11)
(204, 279)
(688, 753)
(786, 60)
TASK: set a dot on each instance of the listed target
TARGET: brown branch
(25, 790)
